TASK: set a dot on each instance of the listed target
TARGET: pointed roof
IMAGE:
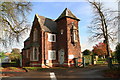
(67, 13)
(48, 25)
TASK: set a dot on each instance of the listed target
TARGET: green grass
(100, 62)
(42, 69)
(12, 62)
(33, 68)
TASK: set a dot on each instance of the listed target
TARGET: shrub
(118, 52)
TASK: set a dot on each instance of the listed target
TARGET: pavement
(91, 72)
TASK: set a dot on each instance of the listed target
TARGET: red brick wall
(73, 49)
(64, 40)
(46, 45)
(37, 26)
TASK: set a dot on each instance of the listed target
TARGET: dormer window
(35, 35)
(52, 37)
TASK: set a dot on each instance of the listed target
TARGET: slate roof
(67, 13)
(27, 39)
(48, 25)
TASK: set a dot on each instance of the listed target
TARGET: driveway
(92, 72)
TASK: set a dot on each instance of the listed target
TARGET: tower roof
(67, 13)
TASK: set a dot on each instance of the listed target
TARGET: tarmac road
(93, 73)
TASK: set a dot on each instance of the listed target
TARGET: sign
(71, 56)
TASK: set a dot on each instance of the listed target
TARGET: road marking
(52, 76)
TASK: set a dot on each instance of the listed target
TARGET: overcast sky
(80, 8)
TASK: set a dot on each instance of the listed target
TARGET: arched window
(35, 54)
(35, 35)
(74, 34)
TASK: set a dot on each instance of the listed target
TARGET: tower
(68, 39)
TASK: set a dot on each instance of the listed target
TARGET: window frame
(53, 56)
(50, 37)
(32, 58)
(75, 37)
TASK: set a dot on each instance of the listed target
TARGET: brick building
(53, 43)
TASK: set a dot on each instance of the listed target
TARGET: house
(53, 43)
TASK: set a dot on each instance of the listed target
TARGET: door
(61, 56)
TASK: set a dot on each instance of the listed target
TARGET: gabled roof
(27, 39)
(46, 24)
(67, 13)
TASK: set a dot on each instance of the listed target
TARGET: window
(51, 55)
(34, 54)
(35, 35)
(27, 53)
(75, 35)
(52, 37)
(61, 31)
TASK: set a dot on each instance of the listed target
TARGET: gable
(47, 24)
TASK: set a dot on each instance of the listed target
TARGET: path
(63, 74)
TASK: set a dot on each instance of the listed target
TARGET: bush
(86, 52)
(118, 53)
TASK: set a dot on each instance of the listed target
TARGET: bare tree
(13, 21)
(104, 24)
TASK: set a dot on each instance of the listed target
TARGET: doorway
(61, 56)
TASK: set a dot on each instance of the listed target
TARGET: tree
(15, 54)
(102, 25)
(100, 49)
(86, 52)
(2, 55)
(13, 21)
(118, 52)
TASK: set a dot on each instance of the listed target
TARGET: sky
(81, 9)
(54, 9)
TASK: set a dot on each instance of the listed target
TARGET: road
(62, 74)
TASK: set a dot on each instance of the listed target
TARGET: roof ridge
(67, 13)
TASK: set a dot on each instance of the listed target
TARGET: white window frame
(32, 58)
(50, 39)
(75, 38)
(51, 54)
